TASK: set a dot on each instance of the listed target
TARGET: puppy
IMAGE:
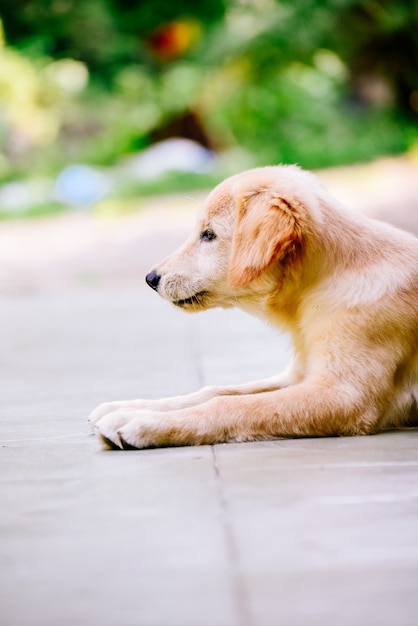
(274, 243)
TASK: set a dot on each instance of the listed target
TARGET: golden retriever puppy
(273, 242)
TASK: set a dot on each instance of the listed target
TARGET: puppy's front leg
(162, 404)
(307, 409)
(284, 379)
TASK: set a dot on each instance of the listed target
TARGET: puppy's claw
(125, 445)
(108, 443)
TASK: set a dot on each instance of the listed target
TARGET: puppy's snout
(153, 279)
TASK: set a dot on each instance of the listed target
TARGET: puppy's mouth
(196, 300)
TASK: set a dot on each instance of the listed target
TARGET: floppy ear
(266, 230)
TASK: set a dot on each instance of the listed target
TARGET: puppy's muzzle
(153, 279)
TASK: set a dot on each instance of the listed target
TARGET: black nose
(153, 279)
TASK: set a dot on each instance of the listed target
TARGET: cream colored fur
(274, 243)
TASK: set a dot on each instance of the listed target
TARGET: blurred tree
(145, 16)
(378, 39)
(62, 28)
(313, 81)
(104, 34)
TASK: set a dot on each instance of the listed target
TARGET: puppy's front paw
(135, 430)
(149, 430)
(133, 406)
(127, 430)
(107, 429)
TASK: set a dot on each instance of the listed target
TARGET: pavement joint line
(349, 465)
(238, 589)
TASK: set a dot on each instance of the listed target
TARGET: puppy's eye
(207, 235)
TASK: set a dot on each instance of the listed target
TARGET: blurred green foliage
(318, 82)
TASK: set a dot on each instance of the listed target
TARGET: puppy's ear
(266, 230)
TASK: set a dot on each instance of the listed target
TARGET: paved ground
(306, 532)
(313, 532)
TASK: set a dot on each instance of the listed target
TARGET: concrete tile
(96, 537)
(325, 530)
(92, 340)
(335, 596)
(112, 538)
(234, 347)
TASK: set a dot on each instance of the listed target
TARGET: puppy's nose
(153, 279)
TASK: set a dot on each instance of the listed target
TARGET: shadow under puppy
(273, 242)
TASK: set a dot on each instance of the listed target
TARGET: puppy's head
(250, 230)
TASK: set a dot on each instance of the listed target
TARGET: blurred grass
(35, 210)
(124, 197)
